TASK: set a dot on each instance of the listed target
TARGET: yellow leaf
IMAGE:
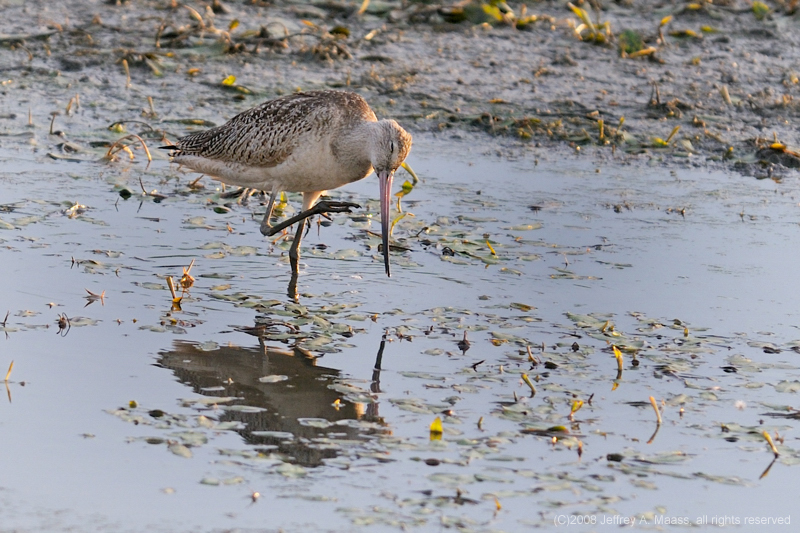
(666, 20)
(436, 429)
(644, 52)
(233, 25)
(760, 10)
(576, 405)
(229, 81)
(493, 11)
(410, 171)
(683, 33)
(584, 16)
(771, 444)
(490, 247)
(528, 381)
(10, 368)
(395, 221)
(672, 134)
(618, 355)
(407, 188)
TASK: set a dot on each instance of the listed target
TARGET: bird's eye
(391, 146)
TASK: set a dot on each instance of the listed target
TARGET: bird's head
(390, 147)
(389, 150)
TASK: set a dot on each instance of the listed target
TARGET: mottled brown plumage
(304, 142)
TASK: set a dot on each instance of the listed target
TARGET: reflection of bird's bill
(385, 179)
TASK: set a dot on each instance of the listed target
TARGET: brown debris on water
(120, 145)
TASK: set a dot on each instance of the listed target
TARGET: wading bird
(305, 142)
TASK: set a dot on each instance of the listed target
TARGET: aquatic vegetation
(630, 42)
(594, 32)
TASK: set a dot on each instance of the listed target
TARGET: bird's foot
(333, 207)
(318, 209)
(234, 193)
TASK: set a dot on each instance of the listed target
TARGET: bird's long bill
(385, 179)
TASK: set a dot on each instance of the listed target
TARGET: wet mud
(531, 77)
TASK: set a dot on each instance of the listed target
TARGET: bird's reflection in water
(235, 371)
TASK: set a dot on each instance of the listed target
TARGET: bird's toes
(338, 207)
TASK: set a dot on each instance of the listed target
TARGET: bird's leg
(265, 228)
(291, 291)
(294, 251)
(318, 209)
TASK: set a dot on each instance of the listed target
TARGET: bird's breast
(317, 167)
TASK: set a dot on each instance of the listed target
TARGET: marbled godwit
(305, 142)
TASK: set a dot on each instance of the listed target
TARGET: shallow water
(606, 238)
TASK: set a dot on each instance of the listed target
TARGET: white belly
(305, 170)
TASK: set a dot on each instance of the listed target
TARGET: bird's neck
(355, 149)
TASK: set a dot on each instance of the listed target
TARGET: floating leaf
(406, 188)
(273, 379)
(529, 383)
(291, 471)
(436, 429)
(180, 450)
(283, 435)
(788, 386)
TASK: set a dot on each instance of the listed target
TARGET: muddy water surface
(140, 417)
